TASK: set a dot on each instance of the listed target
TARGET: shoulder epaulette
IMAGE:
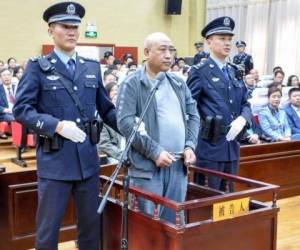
(35, 58)
(88, 59)
(199, 65)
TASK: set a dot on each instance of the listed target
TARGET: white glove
(72, 132)
(141, 129)
(236, 127)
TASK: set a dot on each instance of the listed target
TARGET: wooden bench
(277, 163)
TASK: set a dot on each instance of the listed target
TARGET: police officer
(200, 53)
(243, 58)
(222, 103)
(67, 160)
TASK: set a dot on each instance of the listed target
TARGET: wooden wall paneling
(121, 51)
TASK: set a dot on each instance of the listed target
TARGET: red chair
(21, 138)
(5, 128)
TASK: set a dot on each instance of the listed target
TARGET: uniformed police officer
(243, 58)
(200, 53)
(67, 160)
(222, 103)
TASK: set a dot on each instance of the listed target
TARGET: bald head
(155, 38)
(159, 53)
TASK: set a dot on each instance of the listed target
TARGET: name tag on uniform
(215, 79)
(52, 77)
(90, 76)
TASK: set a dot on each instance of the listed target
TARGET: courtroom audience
(293, 111)
(111, 143)
(250, 84)
(11, 63)
(17, 74)
(293, 81)
(2, 65)
(118, 64)
(132, 66)
(279, 76)
(109, 77)
(273, 119)
(180, 62)
(255, 74)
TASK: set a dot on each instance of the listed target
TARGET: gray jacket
(110, 143)
(145, 149)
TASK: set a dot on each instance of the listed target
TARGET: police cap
(198, 44)
(65, 12)
(240, 44)
(221, 25)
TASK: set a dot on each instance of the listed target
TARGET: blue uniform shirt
(42, 101)
(210, 103)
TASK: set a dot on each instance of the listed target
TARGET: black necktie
(71, 67)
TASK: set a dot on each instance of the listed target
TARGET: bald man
(159, 154)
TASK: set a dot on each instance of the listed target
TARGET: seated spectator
(118, 64)
(272, 119)
(11, 63)
(293, 110)
(7, 97)
(255, 74)
(108, 77)
(278, 77)
(17, 74)
(175, 68)
(127, 58)
(111, 143)
(254, 134)
(132, 66)
(250, 84)
(2, 65)
(113, 69)
(180, 62)
(185, 70)
(293, 81)
(109, 58)
(277, 68)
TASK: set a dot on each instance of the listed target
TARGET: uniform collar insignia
(53, 60)
(81, 60)
(215, 79)
(211, 66)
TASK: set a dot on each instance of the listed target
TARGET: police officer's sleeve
(27, 98)
(246, 111)
(235, 60)
(193, 120)
(105, 107)
(194, 82)
(126, 114)
(250, 63)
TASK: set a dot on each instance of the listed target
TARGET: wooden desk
(18, 204)
(276, 163)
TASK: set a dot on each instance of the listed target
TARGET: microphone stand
(125, 162)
